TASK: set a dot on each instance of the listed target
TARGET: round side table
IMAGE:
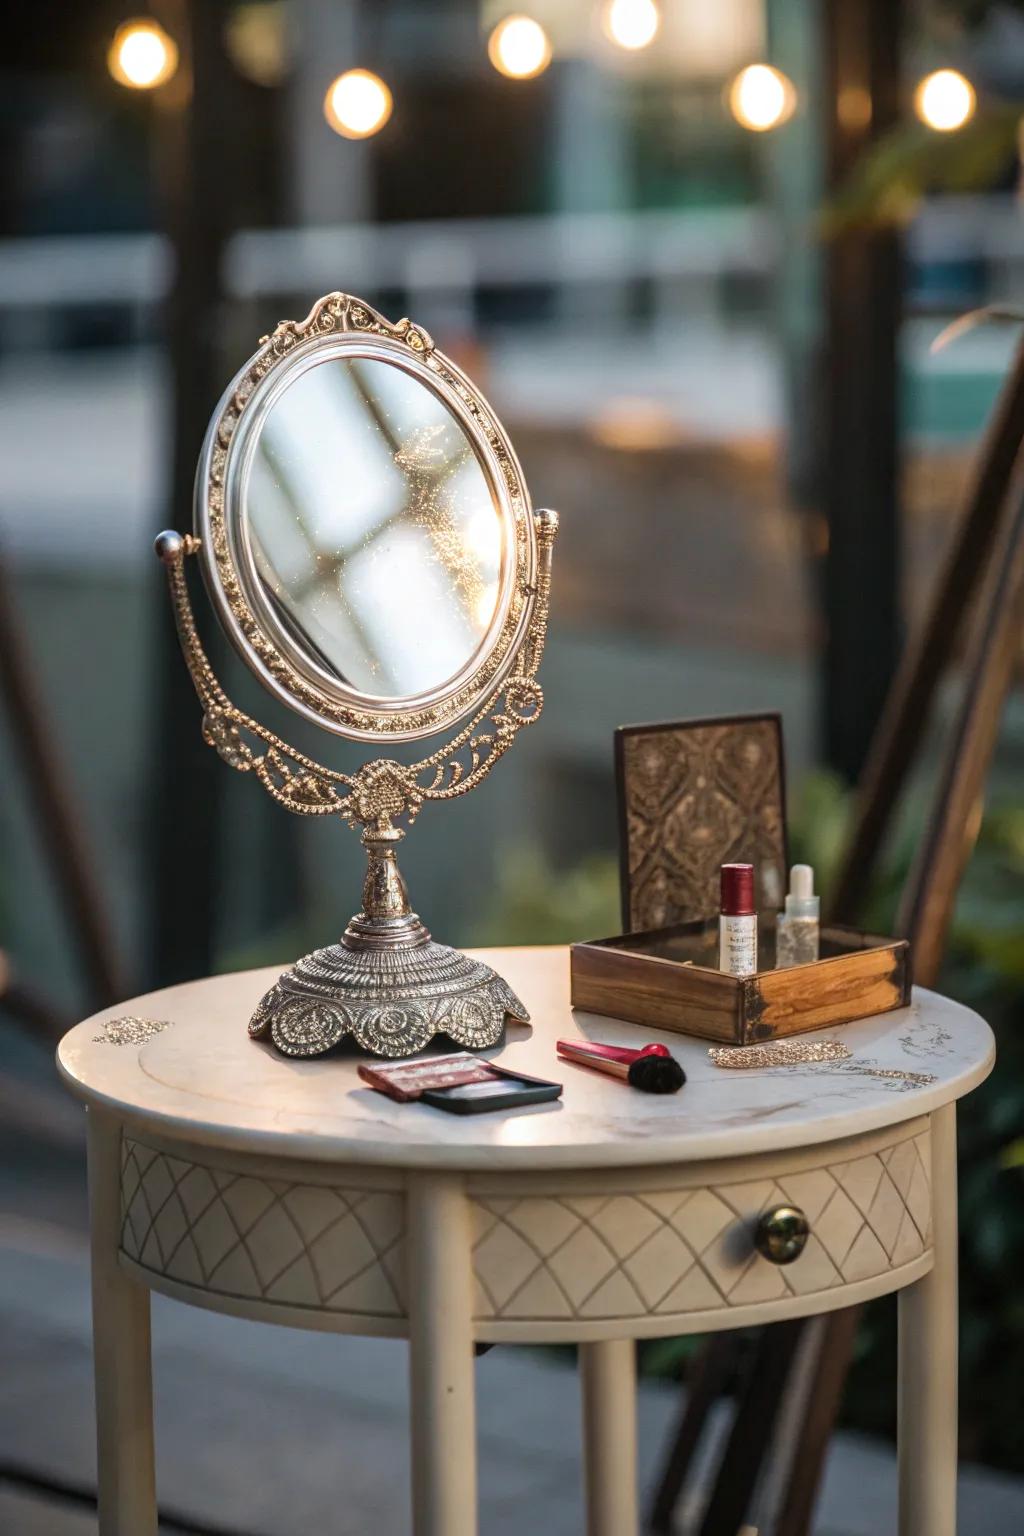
(287, 1191)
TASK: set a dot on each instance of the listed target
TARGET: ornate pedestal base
(392, 1001)
(387, 984)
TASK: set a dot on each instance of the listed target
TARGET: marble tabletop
(202, 1078)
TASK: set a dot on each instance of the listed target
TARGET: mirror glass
(376, 536)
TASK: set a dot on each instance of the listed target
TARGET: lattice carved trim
(561, 1252)
(254, 1238)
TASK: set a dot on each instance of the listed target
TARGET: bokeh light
(519, 47)
(358, 104)
(256, 37)
(631, 24)
(761, 97)
(945, 100)
(141, 55)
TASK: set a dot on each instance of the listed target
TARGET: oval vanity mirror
(367, 539)
(373, 531)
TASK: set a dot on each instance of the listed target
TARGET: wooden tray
(667, 978)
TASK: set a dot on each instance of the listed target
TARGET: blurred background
(697, 257)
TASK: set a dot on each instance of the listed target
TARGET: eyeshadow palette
(461, 1083)
(406, 1080)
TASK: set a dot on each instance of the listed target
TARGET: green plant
(889, 181)
(536, 903)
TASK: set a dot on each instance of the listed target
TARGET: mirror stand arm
(546, 523)
(172, 549)
(291, 778)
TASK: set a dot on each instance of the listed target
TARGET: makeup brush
(652, 1068)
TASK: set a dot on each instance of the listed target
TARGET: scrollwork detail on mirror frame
(383, 792)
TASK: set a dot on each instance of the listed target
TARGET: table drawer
(674, 1251)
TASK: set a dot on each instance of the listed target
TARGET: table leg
(121, 1352)
(927, 1411)
(608, 1379)
(440, 1277)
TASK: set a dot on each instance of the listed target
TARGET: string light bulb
(631, 24)
(945, 100)
(761, 97)
(141, 55)
(358, 104)
(519, 48)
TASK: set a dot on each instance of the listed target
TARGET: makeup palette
(460, 1084)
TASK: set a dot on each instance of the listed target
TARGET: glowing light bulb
(519, 47)
(945, 100)
(631, 24)
(141, 55)
(761, 98)
(358, 104)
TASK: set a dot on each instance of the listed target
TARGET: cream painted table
(227, 1176)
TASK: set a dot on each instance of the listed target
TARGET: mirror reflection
(376, 537)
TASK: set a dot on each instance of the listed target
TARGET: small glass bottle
(797, 928)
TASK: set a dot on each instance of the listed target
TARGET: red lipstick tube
(737, 925)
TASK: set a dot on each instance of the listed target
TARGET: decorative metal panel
(692, 797)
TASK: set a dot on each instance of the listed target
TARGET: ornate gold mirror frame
(386, 982)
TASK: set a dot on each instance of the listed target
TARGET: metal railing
(436, 257)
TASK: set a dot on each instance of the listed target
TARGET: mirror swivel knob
(169, 546)
(781, 1234)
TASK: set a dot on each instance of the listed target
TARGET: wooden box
(694, 795)
(668, 978)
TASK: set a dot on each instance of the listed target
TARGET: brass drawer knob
(781, 1234)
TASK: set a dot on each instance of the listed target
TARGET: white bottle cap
(801, 900)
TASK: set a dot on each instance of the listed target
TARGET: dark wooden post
(60, 828)
(860, 454)
(194, 120)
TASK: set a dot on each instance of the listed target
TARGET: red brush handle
(626, 1054)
